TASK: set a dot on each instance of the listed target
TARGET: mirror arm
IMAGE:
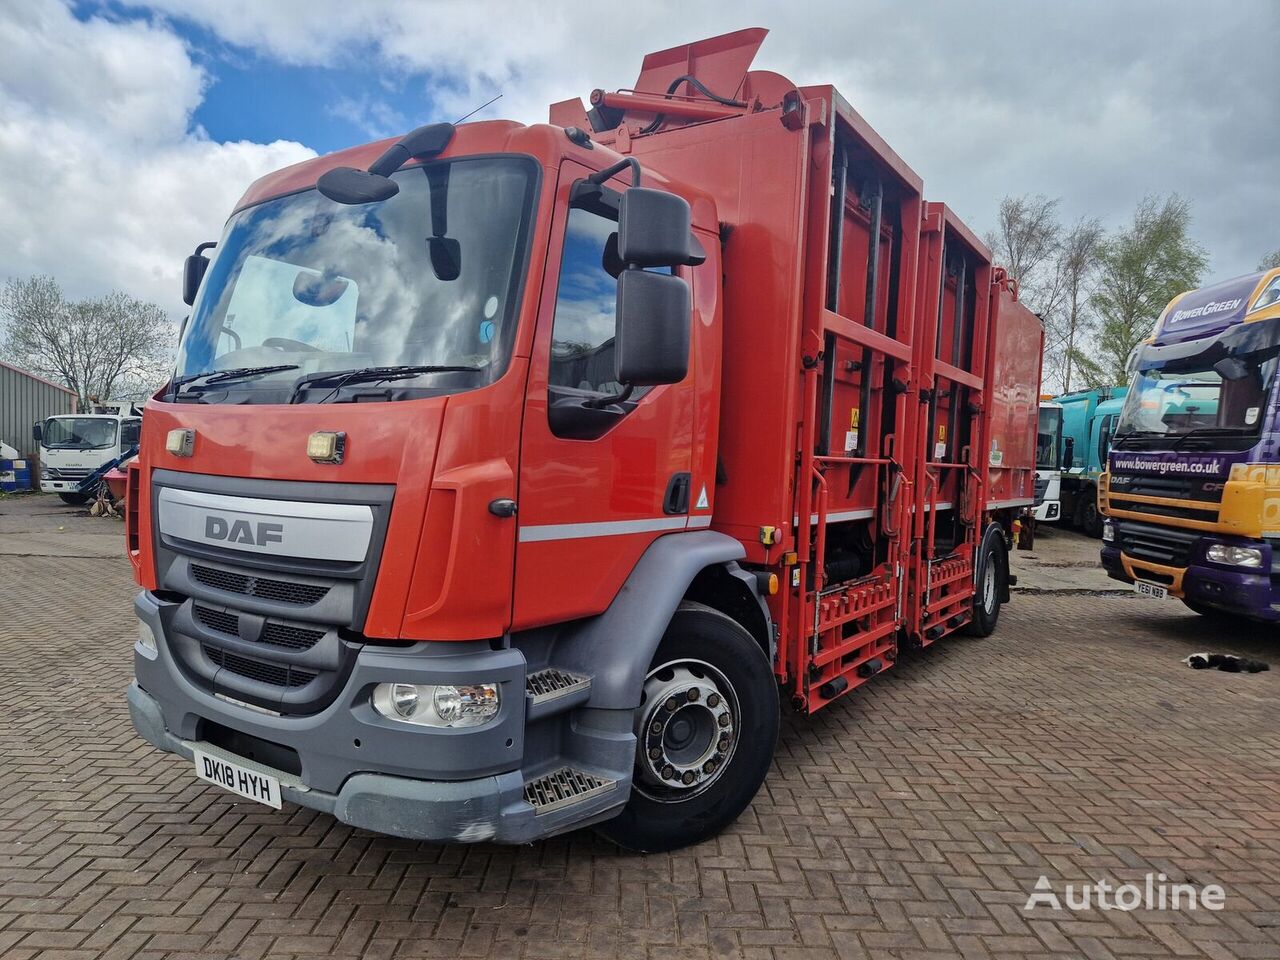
(599, 403)
(600, 176)
(207, 245)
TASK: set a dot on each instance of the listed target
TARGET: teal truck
(1088, 423)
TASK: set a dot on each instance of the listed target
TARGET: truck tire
(990, 584)
(75, 499)
(705, 734)
(1090, 518)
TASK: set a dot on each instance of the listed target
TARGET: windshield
(1167, 406)
(79, 433)
(1049, 438)
(429, 277)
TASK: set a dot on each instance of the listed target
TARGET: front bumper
(465, 784)
(59, 486)
(1048, 511)
(1245, 593)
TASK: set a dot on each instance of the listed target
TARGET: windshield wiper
(1119, 439)
(224, 376)
(341, 378)
(1203, 432)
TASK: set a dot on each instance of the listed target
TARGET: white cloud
(103, 181)
(1095, 101)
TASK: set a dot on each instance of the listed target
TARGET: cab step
(552, 690)
(563, 787)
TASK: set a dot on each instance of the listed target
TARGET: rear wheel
(989, 585)
(1090, 518)
(705, 734)
(75, 499)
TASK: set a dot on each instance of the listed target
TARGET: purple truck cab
(1191, 493)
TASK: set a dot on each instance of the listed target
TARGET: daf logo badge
(242, 531)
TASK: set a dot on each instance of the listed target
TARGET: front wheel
(705, 734)
(989, 585)
(74, 499)
(1090, 518)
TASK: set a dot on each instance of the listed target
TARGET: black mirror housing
(1068, 451)
(192, 274)
(37, 432)
(653, 317)
(351, 186)
(655, 229)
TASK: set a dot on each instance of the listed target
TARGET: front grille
(282, 591)
(274, 674)
(1169, 548)
(1040, 489)
(550, 683)
(276, 634)
(68, 473)
(295, 638)
(218, 620)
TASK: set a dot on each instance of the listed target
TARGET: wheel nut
(693, 693)
(655, 728)
(668, 772)
(713, 700)
(723, 744)
(724, 719)
(655, 753)
(672, 704)
(709, 767)
(687, 778)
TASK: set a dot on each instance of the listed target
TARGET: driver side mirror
(654, 230)
(193, 272)
(1231, 368)
(37, 432)
(1068, 451)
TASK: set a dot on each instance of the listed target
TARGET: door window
(582, 333)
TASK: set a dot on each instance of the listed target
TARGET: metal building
(25, 399)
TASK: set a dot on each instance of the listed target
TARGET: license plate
(250, 784)
(1152, 590)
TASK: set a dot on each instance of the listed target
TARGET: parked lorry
(1047, 507)
(74, 447)
(511, 476)
(1191, 494)
(1088, 421)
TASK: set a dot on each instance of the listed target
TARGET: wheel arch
(616, 647)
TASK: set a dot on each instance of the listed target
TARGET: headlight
(1108, 532)
(443, 705)
(1236, 556)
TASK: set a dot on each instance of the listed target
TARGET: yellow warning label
(853, 419)
(942, 432)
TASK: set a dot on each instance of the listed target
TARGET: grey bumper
(422, 783)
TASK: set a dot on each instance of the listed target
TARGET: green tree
(1270, 261)
(1140, 269)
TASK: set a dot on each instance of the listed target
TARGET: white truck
(72, 446)
(1049, 463)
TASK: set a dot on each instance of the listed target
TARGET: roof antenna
(477, 109)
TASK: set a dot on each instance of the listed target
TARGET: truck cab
(73, 446)
(1049, 463)
(1088, 422)
(1192, 477)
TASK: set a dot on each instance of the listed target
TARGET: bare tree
(1077, 264)
(1025, 242)
(97, 347)
(1270, 261)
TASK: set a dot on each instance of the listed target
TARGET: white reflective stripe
(607, 528)
(998, 504)
(696, 523)
(945, 505)
(838, 517)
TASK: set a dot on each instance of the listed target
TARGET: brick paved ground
(910, 820)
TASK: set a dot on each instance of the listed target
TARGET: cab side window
(582, 333)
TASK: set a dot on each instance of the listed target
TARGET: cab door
(602, 473)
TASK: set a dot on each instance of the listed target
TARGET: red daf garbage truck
(513, 478)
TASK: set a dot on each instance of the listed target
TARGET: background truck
(511, 476)
(75, 446)
(1192, 489)
(1048, 507)
(1088, 422)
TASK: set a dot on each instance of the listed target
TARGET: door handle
(676, 499)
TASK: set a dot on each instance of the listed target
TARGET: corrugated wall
(24, 399)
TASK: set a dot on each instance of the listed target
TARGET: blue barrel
(22, 475)
(8, 476)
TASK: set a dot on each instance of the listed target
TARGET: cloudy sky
(127, 130)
